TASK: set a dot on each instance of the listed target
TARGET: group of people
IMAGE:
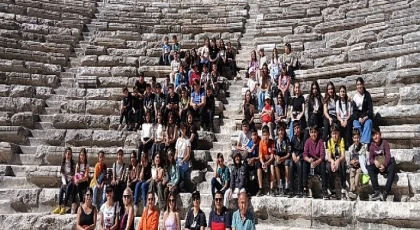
(322, 129)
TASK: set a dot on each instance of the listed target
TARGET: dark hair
(213, 40)
(360, 79)
(376, 130)
(265, 129)
(313, 127)
(220, 155)
(288, 46)
(197, 82)
(281, 125)
(170, 152)
(88, 189)
(356, 132)
(63, 163)
(312, 97)
(133, 154)
(101, 152)
(296, 123)
(148, 85)
(158, 86)
(283, 102)
(120, 151)
(327, 96)
(182, 125)
(125, 89)
(160, 163)
(218, 192)
(83, 150)
(174, 37)
(335, 128)
(245, 122)
(247, 91)
(254, 131)
(277, 53)
(109, 188)
(171, 194)
(255, 55)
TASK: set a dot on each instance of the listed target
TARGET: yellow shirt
(334, 150)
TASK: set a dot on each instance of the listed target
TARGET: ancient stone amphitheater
(63, 63)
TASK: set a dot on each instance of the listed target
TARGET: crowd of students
(328, 135)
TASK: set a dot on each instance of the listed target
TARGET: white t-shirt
(146, 131)
(343, 110)
(243, 139)
(358, 101)
(159, 132)
(109, 214)
(251, 85)
(181, 146)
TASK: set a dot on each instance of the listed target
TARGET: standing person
(171, 132)
(297, 111)
(251, 162)
(133, 171)
(214, 80)
(222, 55)
(381, 162)
(86, 214)
(127, 217)
(158, 146)
(297, 148)
(184, 105)
(176, 47)
(109, 212)
(137, 109)
(149, 102)
(223, 173)
(362, 111)
(98, 180)
(330, 111)
(118, 177)
(313, 156)
(282, 161)
(344, 113)
(358, 161)
(210, 108)
(156, 184)
(195, 59)
(315, 105)
(196, 219)
(198, 102)
(265, 86)
(81, 176)
(126, 110)
(253, 64)
(242, 141)
(192, 132)
(182, 156)
(67, 188)
(172, 101)
(243, 219)
(142, 186)
(175, 64)
(171, 220)
(290, 60)
(266, 163)
(275, 69)
(172, 182)
(238, 177)
(150, 216)
(336, 161)
(159, 102)
(219, 218)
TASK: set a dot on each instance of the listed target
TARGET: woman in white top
(109, 212)
(175, 64)
(182, 155)
(344, 111)
(203, 52)
(81, 177)
(330, 115)
(146, 136)
(159, 137)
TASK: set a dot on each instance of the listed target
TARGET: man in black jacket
(238, 177)
(126, 110)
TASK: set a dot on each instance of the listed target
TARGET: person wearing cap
(267, 115)
(175, 64)
(109, 212)
(150, 216)
(159, 102)
(243, 219)
(196, 219)
(141, 84)
(242, 141)
(171, 104)
(238, 177)
(297, 144)
(289, 59)
(264, 86)
(194, 75)
(219, 218)
(198, 101)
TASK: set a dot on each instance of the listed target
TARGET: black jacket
(367, 107)
(238, 178)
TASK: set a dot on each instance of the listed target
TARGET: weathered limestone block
(22, 91)
(7, 152)
(409, 95)
(402, 136)
(383, 52)
(89, 60)
(132, 140)
(124, 71)
(69, 121)
(200, 159)
(25, 119)
(408, 160)
(105, 60)
(74, 106)
(330, 60)
(114, 81)
(378, 65)
(326, 72)
(107, 138)
(132, 51)
(75, 93)
(408, 61)
(338, 213)
(13, 134)
(43, 92)
(414, 179)
(95, 71)
(44, 176)
(361, 37)
(110, 42)
(76, 137)
(22, 200)
(104, 94)
(348, 23)
(37, 221)
(103, 107)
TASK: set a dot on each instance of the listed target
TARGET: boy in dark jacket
(210, 107)
(126, 110)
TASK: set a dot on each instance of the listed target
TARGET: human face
(281, 133)
(253, 55)
(126, 197)
(196, 202)
(159, 117)
(120, 156)
(342, 93)
(335, 136)
(125, 93)
(376, 137)
(157, 159)
(158, 90)
(68, 155)
(297, 130)
(133, 159)
(209, 92)
(248, 96)
(314, 90)
(150, 201)
(268, 101)
(214, 67)
(183, 130)
(171, 89)
(265, 69)
(330, 90)
(356, 139)
(237, 159)
(221, 160)
(88, 197)
(184, 94)
(148, 117)
(286, 50)
(265, 136)
(218, 201)
(280, 100)
(141, 78)
(82, 156)
(109, 194)
(190, 119)
(245, 128)
(296, 89)
(148, 90)
(172, 202)
(359, 87)
(243, 204)
(170, 119)
(254, 137)
(261, 53)
(170, 158)
(206, 42)
(101, 158)
(274, 52)
(313, 134)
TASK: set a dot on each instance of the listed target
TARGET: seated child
(336, 160)
(266, 154)
(357, 153)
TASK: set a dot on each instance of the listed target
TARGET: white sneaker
(120, 127)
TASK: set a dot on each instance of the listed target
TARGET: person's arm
(78, 226)
(130, 220)
(141, 177)
(192, 101)
(114, 174)
(115, 226)
(369, 112)
(371, 155)
(326, 114)
(178, 221)
(174, 136)
(203, 101)
(342, 150)
(86, 175)
(306, 152)
(227, 177)
(260, 155)
(187, 154)
(142, 221)
(387, 152)
(101, 221)
(322, 153)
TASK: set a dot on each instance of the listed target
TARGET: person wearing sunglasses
(109, 212)
(150, 216)
(171, 220)
(219, 218)
(196, 219)
(127, 217)
(86, 214)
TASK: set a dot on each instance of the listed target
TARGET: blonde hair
(130, 200)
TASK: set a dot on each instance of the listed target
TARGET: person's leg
(291, 134)
(137, 192)
(357, 179)
(373, 174)
(95, 196)
(326, 131)
(343, 174)
(202, 114)
(211, 118)
(330, 176)
(290, 177)
(61, 195)
(160, 196)
(305, 171)
(366, 132)
(390, 176)
(323, 175)
(272, 177)
(357, 125)
(261, 96)
(215, 185)
(352, 177)
(226, 198)
(144, 189)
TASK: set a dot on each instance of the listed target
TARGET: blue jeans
(141, 187)
(365, 130)
(69, 190)
(216, 185)
(102, 197)
(261, 98)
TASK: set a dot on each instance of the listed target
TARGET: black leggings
(81, 189)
